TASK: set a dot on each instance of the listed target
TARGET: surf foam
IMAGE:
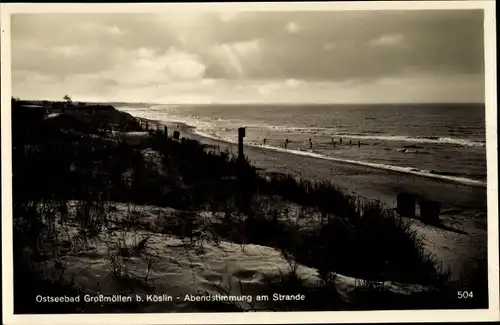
(406, 170)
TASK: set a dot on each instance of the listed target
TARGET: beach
(146, 211)
(458, 243)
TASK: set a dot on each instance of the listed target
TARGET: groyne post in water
(241, 135)
(165, 129)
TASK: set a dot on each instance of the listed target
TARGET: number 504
(464, 294)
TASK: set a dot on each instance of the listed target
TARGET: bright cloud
(292, 27)
(293, 82)
(387, 40)
(144, 67)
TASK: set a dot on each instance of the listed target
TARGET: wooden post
(165, 129)
(429, 211)
(406, 203)
(241, 135)
(147, 125)
(176, 135)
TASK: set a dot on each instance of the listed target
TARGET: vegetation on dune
(75, 156)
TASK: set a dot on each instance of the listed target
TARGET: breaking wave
(406, 170)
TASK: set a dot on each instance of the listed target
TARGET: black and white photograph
(270, 158)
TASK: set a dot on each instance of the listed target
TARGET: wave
(370, 135)
(406, 170)
(296, 129)
(373, 135)
(332, 131)
(413, 150)
(422, 140)
(217, 124)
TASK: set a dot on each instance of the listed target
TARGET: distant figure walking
(286, 143)
(334, 143)
(350, 142)
(340, 141)
(310, 143)
(359, 143)
(265, 141)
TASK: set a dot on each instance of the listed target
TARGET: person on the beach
(350, 142)
(265, 140)
(310, 143)
(286, 143)
(340, 141)
(359, 143)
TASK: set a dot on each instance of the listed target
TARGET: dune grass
(76, 157)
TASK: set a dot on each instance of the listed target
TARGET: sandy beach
(165, 194)
(457, 243)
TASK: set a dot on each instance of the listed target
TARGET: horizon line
(263, 103)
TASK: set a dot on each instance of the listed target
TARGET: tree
(67, 98)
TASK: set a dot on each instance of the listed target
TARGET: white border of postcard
(261, 317)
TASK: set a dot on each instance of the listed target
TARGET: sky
(250, 57)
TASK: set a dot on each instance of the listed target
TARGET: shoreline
(455, 178)
(399, 169)
(459, 243)
(385, 183)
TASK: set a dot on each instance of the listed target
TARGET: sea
(434, 140)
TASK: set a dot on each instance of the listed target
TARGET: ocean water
(436, 140)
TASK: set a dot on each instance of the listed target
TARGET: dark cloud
(449, 41)
(354, 46)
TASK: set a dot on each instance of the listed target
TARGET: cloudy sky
(200, 57)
